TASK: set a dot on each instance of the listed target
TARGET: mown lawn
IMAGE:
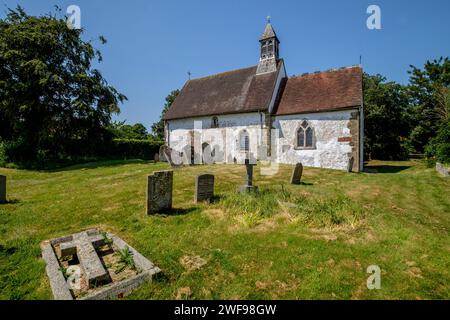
(310, 241)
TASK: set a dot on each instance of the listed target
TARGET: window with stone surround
(305, 138)
(244, 141)
(214, 122)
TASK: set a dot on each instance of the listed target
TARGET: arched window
(305, 136)
(244, 141)
(214, 122)
(264, 49)
(270, 48)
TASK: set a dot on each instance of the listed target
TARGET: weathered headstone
(350, 164)
(156, 157)
(297, 172)
(162, 157)
(83, 245)
(159, 191)
(442, 170)
(2, 189)
(167, 151)
(248, 186)
(204, 187)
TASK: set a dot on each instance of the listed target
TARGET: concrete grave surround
(297, 172)
(204, 188)
(159, 191)
(2, 189)
(58, 284)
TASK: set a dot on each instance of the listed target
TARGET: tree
(53, 104)
(439, 146)
(429, 90)
(127, 131)
(158, 127)
(386, 127)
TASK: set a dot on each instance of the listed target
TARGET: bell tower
(269, 50)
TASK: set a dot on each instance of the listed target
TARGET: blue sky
(153, 44)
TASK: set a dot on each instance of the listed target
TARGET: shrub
(438, 148)
(130, 148)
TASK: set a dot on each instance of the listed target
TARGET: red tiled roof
(235, 91)
(324, 91)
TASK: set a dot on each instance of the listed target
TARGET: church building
(261, 113)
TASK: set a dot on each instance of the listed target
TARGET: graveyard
(288, 238)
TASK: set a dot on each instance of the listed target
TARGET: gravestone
(350, 164)
(248, 186)
(156, 157)
(204, 188)
(159, 191)
(2, 189)
(167, 151)
(83, 245)
(297, 172)
(162, 157)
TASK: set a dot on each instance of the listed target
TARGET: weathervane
(189, 75)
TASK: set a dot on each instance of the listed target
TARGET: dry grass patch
(191, 263)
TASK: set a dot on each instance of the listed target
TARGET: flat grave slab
(89, 265)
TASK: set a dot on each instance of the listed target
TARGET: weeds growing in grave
(106, 239)
(64, 271)
(125, 259)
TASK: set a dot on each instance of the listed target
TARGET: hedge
(134, 149)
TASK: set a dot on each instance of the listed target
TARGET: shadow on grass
(161, 277)
(174, 212)
(385, 169)
(10, 201)
(7, 250)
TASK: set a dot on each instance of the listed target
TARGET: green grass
(309, 241)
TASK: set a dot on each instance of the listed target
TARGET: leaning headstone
(297, 172)
(159, 191)
(2, 189)
(248, 186)
(204, 188)
(350, 164)
(167, 151)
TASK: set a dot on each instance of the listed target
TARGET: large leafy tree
(429, 89)
(129, 131)
(386, 126)
(158, 127)
(53, 103)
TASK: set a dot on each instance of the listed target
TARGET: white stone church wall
(224, 140)
(328, 127)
